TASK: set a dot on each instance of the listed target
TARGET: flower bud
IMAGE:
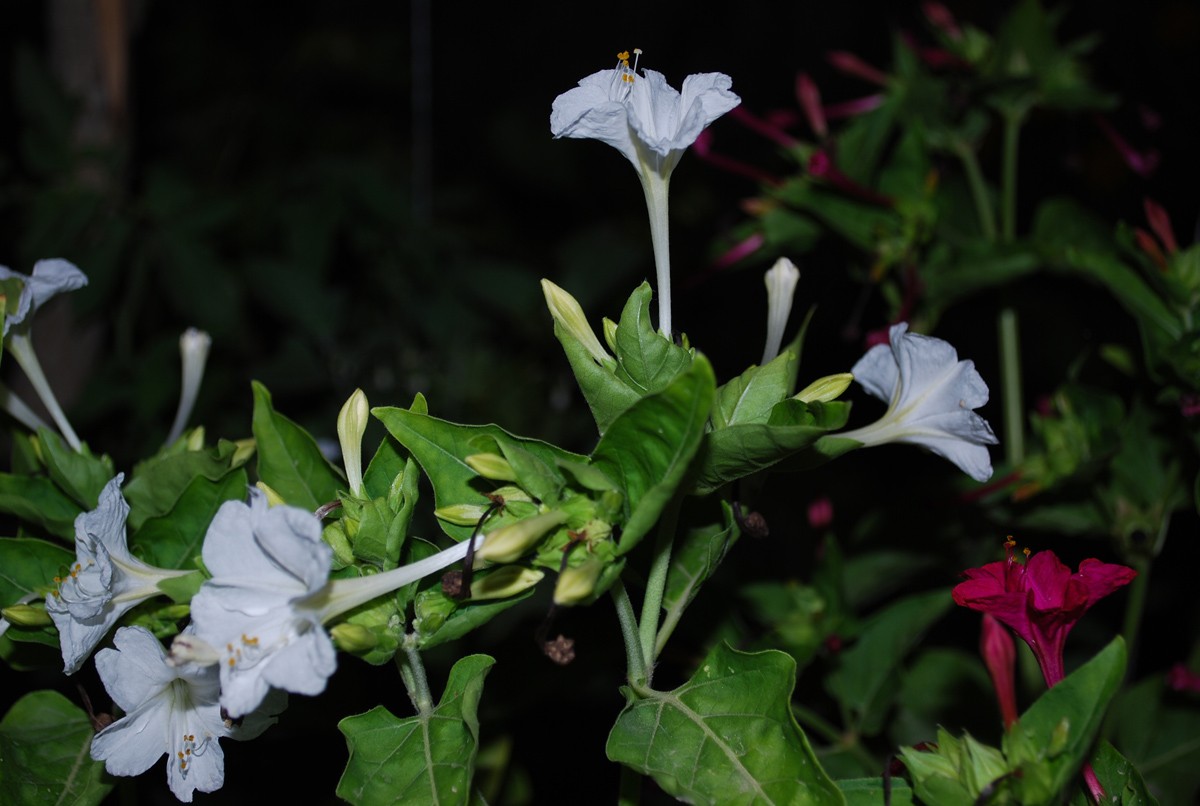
(491, 466)
(187, 648)
(461, 514)
(610, 333)
(245, 449)
(822, 390)
(569, 316)
(193, 351)
(781, 282)
(353, 638)
(274, 499)
(195, 439)
(508, 543)
(336, 538)
(351, 425)
(1000, 657)
(506, 581)
(820, 512)
(24, 615)
(576, 584)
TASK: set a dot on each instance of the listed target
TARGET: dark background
(275, 181)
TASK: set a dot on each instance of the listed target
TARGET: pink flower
(810, 101)
(1040, 600)
(852, 65)
(820, 512)
(1181, 678)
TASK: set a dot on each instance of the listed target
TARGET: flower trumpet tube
(931, 396)
(351, 425)
(652, 124)
(20, 411)
(570, 317)
(193, 350)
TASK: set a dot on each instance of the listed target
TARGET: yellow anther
(232, 662)
(1027, 552)
(78, 566)
(249, 641)
(55, 594)
(58, 580)
(624, 55)
(73, 573)
(180, 754)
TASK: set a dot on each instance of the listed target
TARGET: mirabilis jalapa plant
(314, 559)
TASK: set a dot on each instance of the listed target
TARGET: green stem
(1012, 135)
(1135, 606)
(656, 583)
(979, 191)
(412, 672)
(811, 719)
(631, 787)
(1010, 368)
(635, 662)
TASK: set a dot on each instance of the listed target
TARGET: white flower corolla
(781, 280)
(193, 352)
(168, 709)
(652, 124)
(104, 582)
(260, 616)
(49, 277)
(931, 396)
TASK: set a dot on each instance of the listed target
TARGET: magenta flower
(1040, 600)
(1000, 656)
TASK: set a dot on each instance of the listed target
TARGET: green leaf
(866, 678)
(1121, 780)
(647, 361)
(1127, 288)
(80, 475)
(385, 466)
(289, 460)
(869, 792)
(159, 482)
(725, 736)
(182, 589)
(1079, 702)
(441, 448)
(606, 394)
(38, 500)
(1161, 737)
(467, 616)
(45, 757)
(174, 538)
(750, 397)
(424, 759)
(648, 449)
(736, 452)
(27, 564)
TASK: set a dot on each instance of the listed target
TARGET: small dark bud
(755, 525)
(99, 721)
(452, 584)
(561, 650)
(498, 500)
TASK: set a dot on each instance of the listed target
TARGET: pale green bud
(353, 638)
(822, 390)
(24, 615)
(491, 466)
(245, 449)
(174, 612)
(351, 425)
(274, 499)
(610, 333)
(195, 439)
(576, 584)
(506, 581)
(461, 514)
(336, 538)
(508, 543)
(569, 316)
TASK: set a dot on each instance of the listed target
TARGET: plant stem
(631, 787)
(1010, 368)
(1012, 134)
(635, 662)
(656, 583)
(1134, 607)
(412, 672)
(979, 191)
(816, 722)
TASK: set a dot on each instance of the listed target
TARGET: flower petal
(1102, 579)
(878, 372)
(136, 670)
(132, 744)
(304, 665)
(205, 771)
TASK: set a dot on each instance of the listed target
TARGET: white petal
(878, 372)
(712, 92)
(205, 772)
(78, 637)
(52, 277)
(132, 744)
(136, 670)
(304, 665)
(591, 111)
(291, 538)
(242, 690)
(654, 113)
(972, 459)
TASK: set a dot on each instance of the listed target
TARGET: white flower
(260, 617)
(49, 277)
(105, 581)
(930, 396)
(168, 709)
(652, 125)
(781, 280)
